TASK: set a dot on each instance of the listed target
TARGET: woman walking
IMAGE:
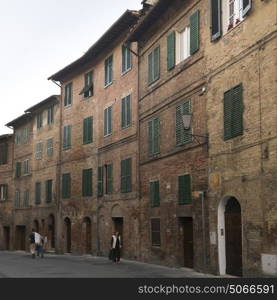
(115, 247)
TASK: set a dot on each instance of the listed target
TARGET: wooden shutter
(18, 169)
(157, 63)
(66, 185)
(67, 137)
(150, 67)
(151, 137)
(87, 130)
(110, 120)
(155, 232)
(123, 113)
(48, 190)
(171, 51)
(128, 174)
(128, 110)
(109, 179)
(155, 193)
(87, 182)
(194, 32)
(3, 153)
(100, 178)
(184, 189)
(233, 113)
(246, 7)
(156, 128)
(123, 176)
(215, 19)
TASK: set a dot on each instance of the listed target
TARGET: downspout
(202, 195)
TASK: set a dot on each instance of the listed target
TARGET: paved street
(19, 264)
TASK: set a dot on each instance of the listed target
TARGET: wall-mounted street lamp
(187, 120)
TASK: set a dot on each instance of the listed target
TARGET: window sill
(107, 135)
(125, 127)
(87, 143)
(109, 84)
(67, 106)
(86, 98)
(152, 83)
(125, 72)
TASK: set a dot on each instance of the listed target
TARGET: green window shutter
(3, 153)
(171, 51)
(155, 193)
(123, 176)
(109, 179)
(151, 137)
(38, 193)
(87, 130)
(100, 179)
(110, 120)
(67, 137)
(105, 122)
(246, 7)
(123, 113)
(215, 19)
(184, 189)
(233, 113)
(156, 125)
(87, 182)
(128, 109)
(157, 63)
(128, 175)
(48, 191)
(194, 32)
(183, 136)
(66, 185)
(68, 94)
(150, 67)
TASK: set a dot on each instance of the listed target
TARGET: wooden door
(20, 238)
(118, 226)
(7, 237)
(233, 239)
(188, 241)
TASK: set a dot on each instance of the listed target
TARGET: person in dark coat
(115, 247)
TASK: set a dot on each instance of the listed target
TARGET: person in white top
(115, 247)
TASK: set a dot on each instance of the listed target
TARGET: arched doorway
(51, 231)
(87, 235)
(36, 226)
(230, 237)
(67, 224)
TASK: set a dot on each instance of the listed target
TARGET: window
(17, 169)
(87, 130)
(126, 175)
(25, 135)
(184, 189)
(108, 121)
(17, 199)
(183, 136)
(109, 178)
(109, 70)
(87, 183)
(26, 170)
(154, 136)
(154, 65)
(39, 150)
(126, 112)
(50, 115)
(26, 197)
(227, 14)
(100, 181)
(48, 190)
(155, 232)
(39, 120)
(67, 137)
(66, 185)
(233, 112)
(181, 44)
(3, 192)
(126, 58)
(17, 137)
(68, 95)
(88, 85)
(3, 153)
(38, 193)
(155, 193)
(50, 147)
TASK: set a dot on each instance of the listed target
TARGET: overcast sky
(40, 37)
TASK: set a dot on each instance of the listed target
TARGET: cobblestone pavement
(19, 264)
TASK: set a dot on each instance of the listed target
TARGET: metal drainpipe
(203, 230)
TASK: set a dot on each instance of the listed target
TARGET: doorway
(233, 238)
(6, 237)
(87, 235)
(118, 226)
(186, 224)
(51, 231)
(67, 224)
(20, 236)
(230, 237)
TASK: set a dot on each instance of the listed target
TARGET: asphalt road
(21, 265)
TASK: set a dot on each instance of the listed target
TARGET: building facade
(99, 157)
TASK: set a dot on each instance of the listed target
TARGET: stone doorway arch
(230, 236)
(67, 225)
